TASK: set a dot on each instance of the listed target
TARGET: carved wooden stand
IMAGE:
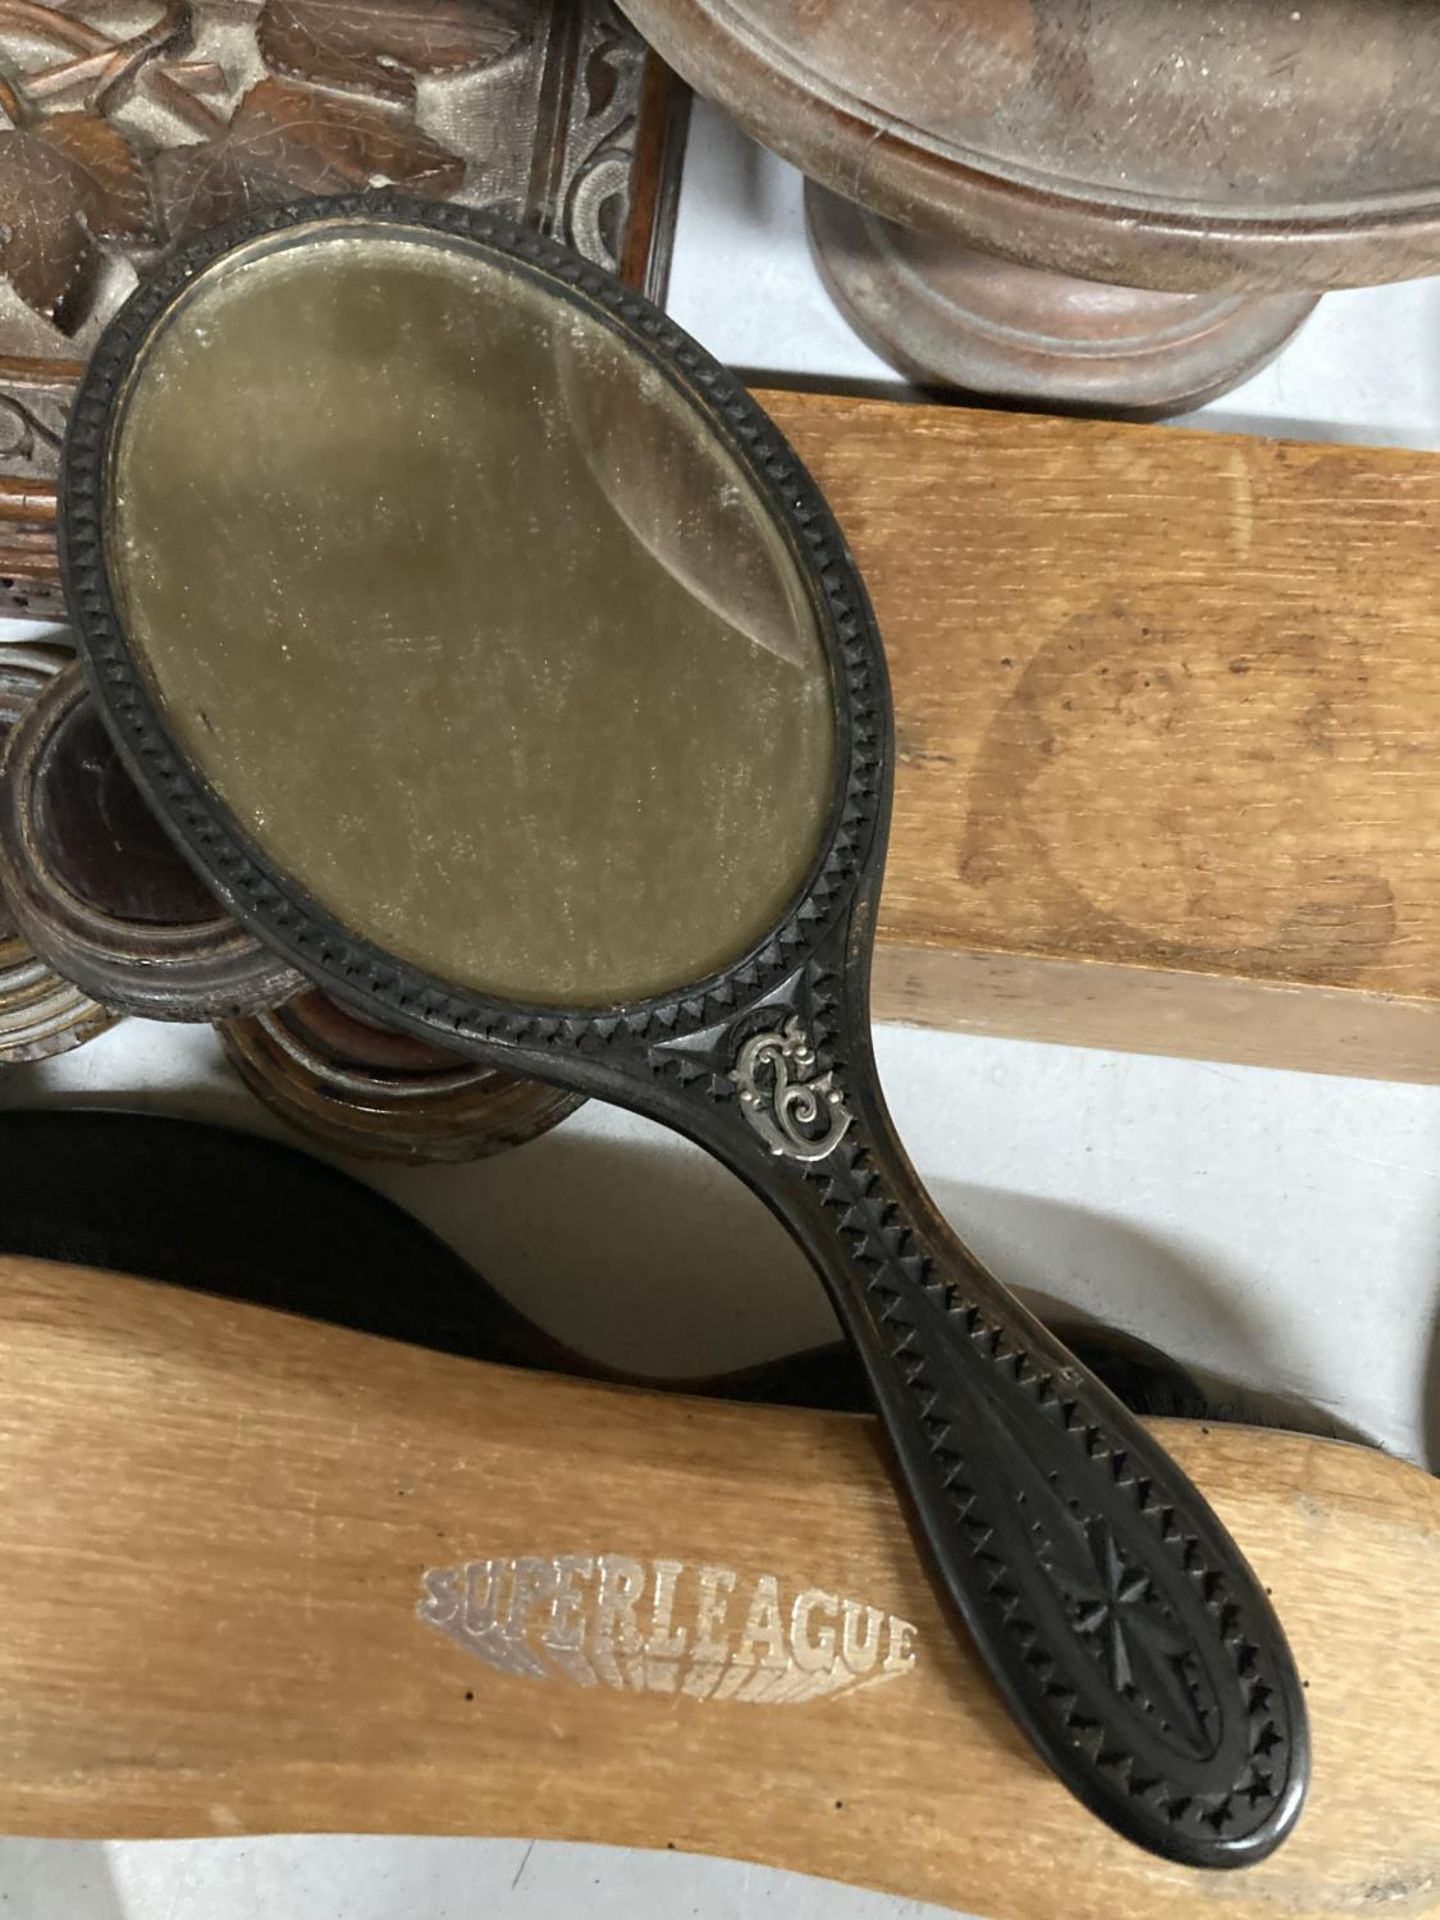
(1120, 203)
(948, 315)
(120, 145)
(371, 1091)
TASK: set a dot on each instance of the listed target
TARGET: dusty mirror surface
(469, 617)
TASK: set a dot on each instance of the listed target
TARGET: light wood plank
(1166, 705)
(217, 1519)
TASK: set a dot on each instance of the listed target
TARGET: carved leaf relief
(66, 183)
(285, 139)
(126, 130)
(379, 46)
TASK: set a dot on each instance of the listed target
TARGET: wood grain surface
(1165, 705)
(218, 1520)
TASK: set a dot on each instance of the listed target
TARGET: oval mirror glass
(470, 617)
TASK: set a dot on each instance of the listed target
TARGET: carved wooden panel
(122, 133)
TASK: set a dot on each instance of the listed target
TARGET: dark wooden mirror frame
(1132, 1642)
(265, 898)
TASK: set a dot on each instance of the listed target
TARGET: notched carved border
(1011, 1438)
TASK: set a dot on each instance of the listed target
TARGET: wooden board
(219, 1520)
(1166, 703)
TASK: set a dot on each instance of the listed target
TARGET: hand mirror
(493, 657)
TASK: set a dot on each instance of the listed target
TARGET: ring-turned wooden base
(99, 890)
(40, 1013)
(365, 1089)
(947, 315)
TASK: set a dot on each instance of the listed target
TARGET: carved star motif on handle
(1111, 1604)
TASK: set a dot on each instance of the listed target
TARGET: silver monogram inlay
(795, 1111)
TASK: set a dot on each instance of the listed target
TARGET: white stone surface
(350, 1877)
